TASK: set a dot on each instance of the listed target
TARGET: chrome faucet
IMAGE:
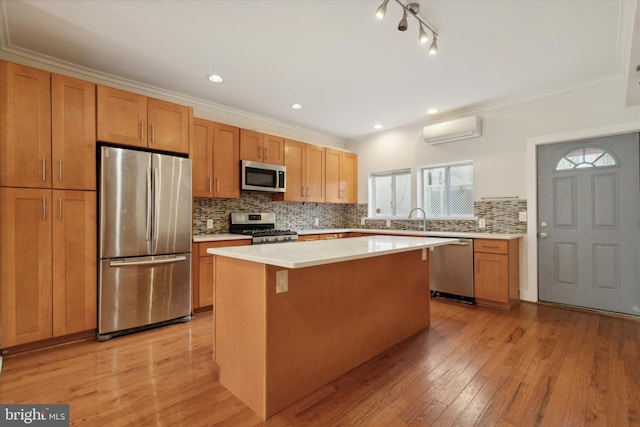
(424, 217)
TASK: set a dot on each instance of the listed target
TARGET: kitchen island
(291, 317)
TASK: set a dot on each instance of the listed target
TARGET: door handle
(543, 235)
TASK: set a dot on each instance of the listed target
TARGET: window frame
(372, 192)
(447, 166)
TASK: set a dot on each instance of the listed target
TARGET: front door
(589, 223)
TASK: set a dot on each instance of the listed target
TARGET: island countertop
(297, 255)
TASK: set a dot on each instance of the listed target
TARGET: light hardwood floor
(536, 365)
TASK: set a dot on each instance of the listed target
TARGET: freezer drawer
(142, 291)
(451, 270)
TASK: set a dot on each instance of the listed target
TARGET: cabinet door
(25, 126)
(251, 145)
(294, 155)
(273, 149)
(122, 117)
(226, 161)
(314, 173)
(74, 261)
(25, 265)
(350, 178)
(168, 128)
(206, 287)
(333, 178)
(491, 278)
(201, 154)
(73, 133)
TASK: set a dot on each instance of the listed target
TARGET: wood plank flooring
(535, 366)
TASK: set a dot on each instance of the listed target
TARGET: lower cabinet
(496, 272)
(47, 264)
(202, 285)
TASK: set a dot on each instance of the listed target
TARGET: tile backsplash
(501, 215)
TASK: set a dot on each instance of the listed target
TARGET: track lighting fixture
(414, 10)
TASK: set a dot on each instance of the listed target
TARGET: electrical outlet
(209, 223)
(482, 223)
(522, 216)
(316, 221)
(362, 221)
(282, 281)
(424, 254)
(388, 223)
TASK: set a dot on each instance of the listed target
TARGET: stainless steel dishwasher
(451, 271)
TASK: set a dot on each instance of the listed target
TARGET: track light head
(423, 37)
(433, 49)
(402, 25)
(381, 11)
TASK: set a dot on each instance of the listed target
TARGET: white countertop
(298, 255)
(454, 234)
(219, 237)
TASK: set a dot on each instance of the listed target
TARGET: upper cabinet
(73, 133)
(25, 126)
(259, 147)
(341, 181)
(215, 155)
(131, 119)
(305, 172)
(47, 130)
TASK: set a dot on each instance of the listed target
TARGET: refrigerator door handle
(156, 203)
(148, 232)
(124, 263)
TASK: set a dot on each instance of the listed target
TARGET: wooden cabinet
(47, 130)
(341, 176)
(496, 272)
(202, 272)
(25, 126)
(47, 263)
(215, 155)
(260, 147)
(131, 119)
(305, 172)
(73, 133)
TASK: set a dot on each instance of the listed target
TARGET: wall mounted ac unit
(453, 130)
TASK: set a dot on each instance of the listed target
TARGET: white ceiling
(347, 68)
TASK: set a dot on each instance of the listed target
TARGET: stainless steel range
(261, 227)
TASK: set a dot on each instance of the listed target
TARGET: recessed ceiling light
(215, 78)
(296, 106)
(432, 110)
(377, 126)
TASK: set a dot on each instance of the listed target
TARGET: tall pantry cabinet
(47, 205)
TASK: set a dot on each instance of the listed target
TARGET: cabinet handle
(44, 169)
(60, 170)
(210, 185)
(302, 191)
(142, 130)
(489, 246)
(266, 153)
(217, 185)
(260, 151)
(60, 208)
(153, 132)
(44, 208)
(307, 192)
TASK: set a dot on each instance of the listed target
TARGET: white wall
(504, 156)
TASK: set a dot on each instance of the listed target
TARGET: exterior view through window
(390, 193)
(446, 190)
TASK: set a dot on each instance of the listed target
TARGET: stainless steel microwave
(264, 177)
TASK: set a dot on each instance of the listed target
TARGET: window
(447, 190)
(587, 157)
(390, 193)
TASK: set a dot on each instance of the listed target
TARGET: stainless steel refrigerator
(144, 240)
